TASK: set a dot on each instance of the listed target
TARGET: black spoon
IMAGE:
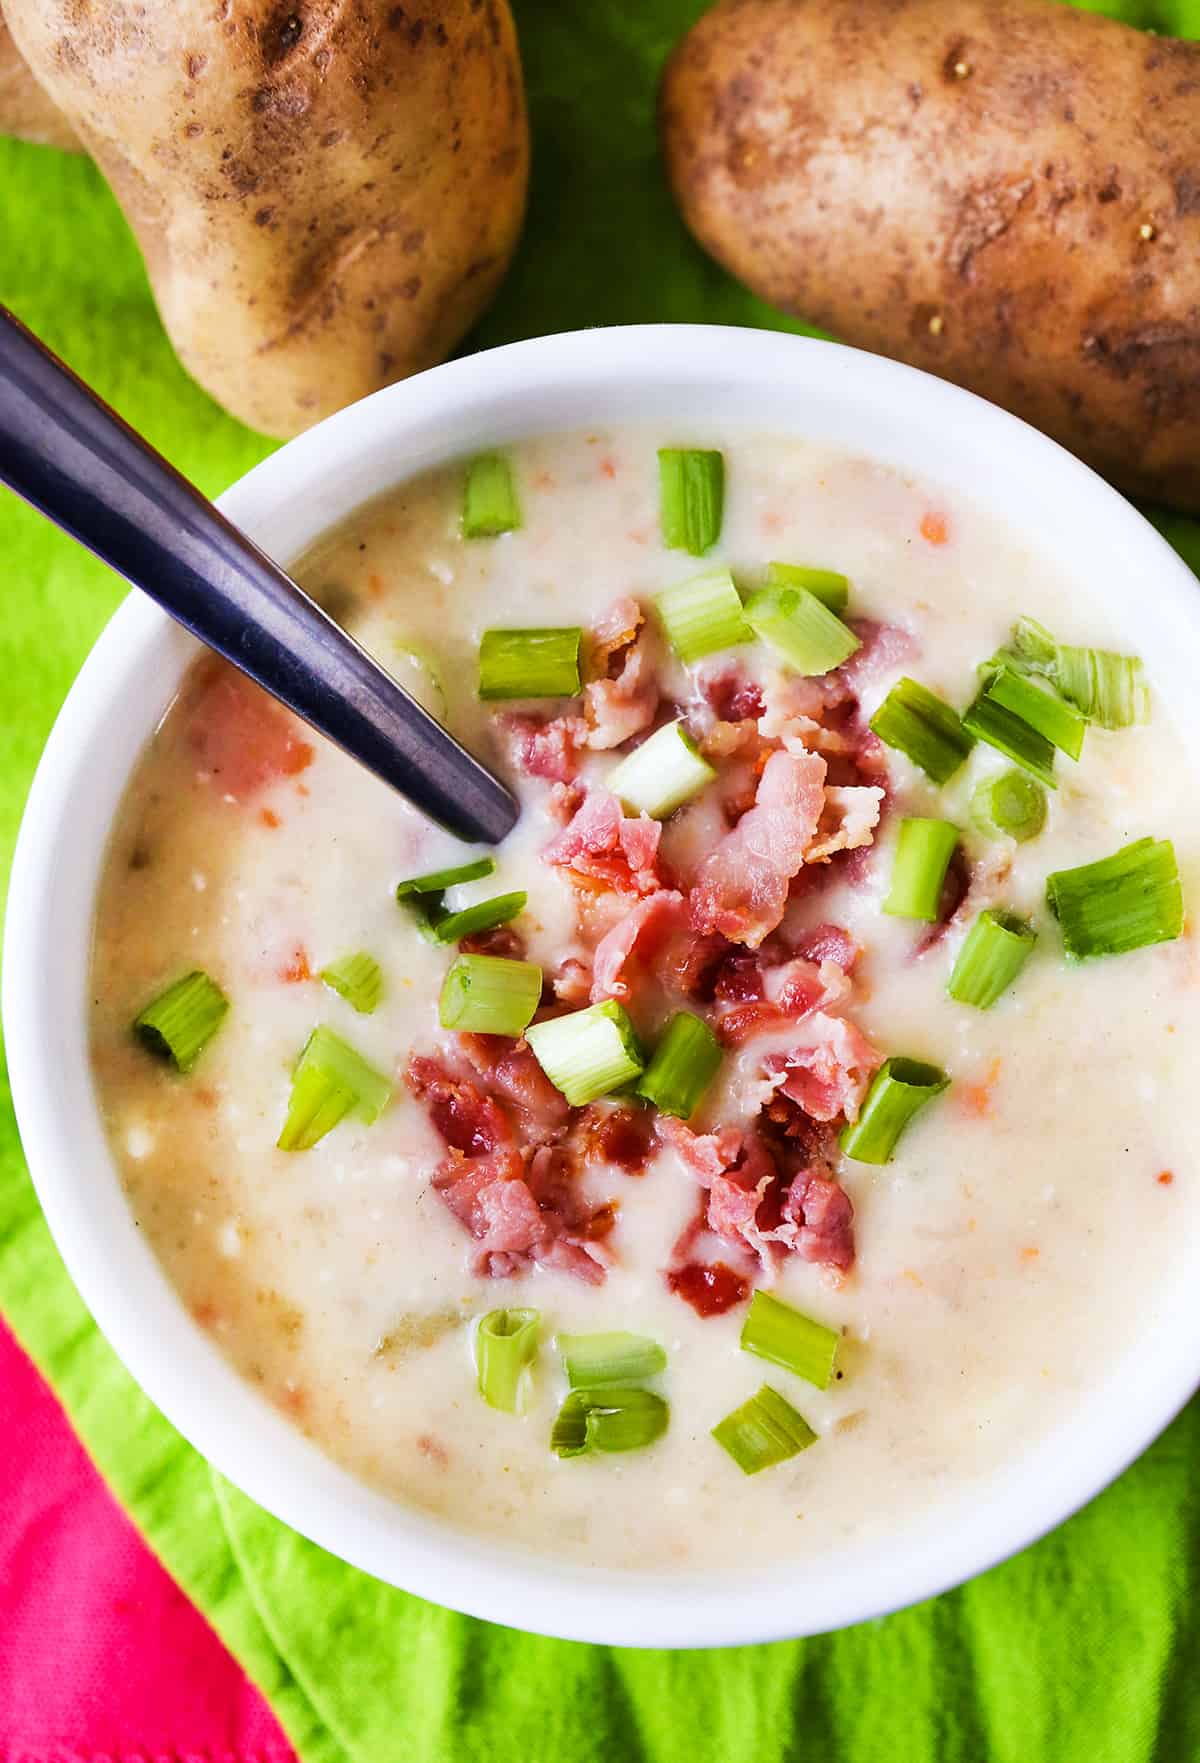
(73, 458)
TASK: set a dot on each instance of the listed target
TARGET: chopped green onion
(832, 589)
(358, 979)
(589, 1053)
(330, 1081)
(1123, 902)
(609, 1359)
(474, 919)
(764, 1431)
(1034, 646)
(489, 995)
(900, 1089)
(179, 1023)
(1011, 735)
(702, 614)
(774, 1331)
(608, 1420)
(685, 1062)
(1009, 803)
(923, 852)
(530, 663)
(662, 774)
(427, 912)
(996, 948)
(916, 722)
(490, 503)
(1061, 723)
(438, 880)
(1109, 689)
(691, 487)
(801, 629)
(505, 1344)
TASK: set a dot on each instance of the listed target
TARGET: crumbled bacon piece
(514, 1074)
(504, 940)
(541, 747)
(742, 886)
(848, 821)
(602, 842)
(731, 696)
(572, 981)
(829, 942)
(620, 1136)
(518, 1205)
(827, 1068)
(884, 647)
(710, 1287)
(789, 992)
(820, 1209)
(620, 697)
(638, 933)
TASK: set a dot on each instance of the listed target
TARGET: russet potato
(1004, 192)
(326, 193)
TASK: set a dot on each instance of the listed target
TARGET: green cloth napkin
(1084, 1647)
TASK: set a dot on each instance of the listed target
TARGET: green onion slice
(180, 1022)
(1106, 688)
(996, 948)
(330, 1081)
(608, 1420)
(427, 912)
(1060, 722)
(923, 852)
(607, 1360)
(1123, 902)
(662, 774)
(505, 1345)
(774, 1331)
(764, 1431)
(916, 722)
(451, 927)
(530, 663)
(438, 880)
(1109, 689)
(589, 1053)
(490, 504)
(489, 995)
(1010, 803)
(702, 615)
(1011, 735)
(685, 1062)
(832, 589)
(901, 1088)
(801, 629)
(691, 486)
(358, 979)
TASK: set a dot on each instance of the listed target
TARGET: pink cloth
(102, 1658)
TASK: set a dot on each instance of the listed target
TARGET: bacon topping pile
(800, 790)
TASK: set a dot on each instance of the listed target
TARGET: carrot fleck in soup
(799, 1093)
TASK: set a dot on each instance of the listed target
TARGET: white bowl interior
(690, 381)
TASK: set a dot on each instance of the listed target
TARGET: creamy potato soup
(779, 1131)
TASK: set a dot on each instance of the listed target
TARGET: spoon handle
(73, 458)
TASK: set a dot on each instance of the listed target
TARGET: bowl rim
(168, 1355)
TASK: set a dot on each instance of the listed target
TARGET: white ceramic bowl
(688, 380)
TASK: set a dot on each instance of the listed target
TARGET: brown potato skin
(25, 110)
(326, 192)
(1004, 192)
